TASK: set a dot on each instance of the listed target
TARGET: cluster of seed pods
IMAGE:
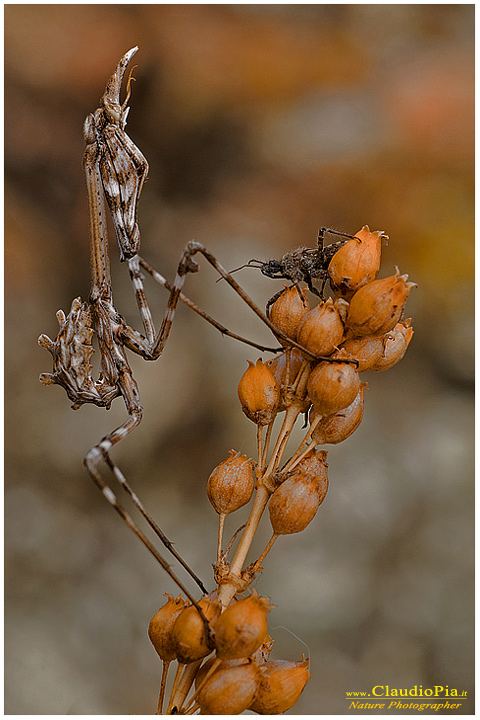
(360, 327)
(239, 676)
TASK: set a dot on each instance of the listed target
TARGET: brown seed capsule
(333, 386)
(231, 484)
(294, 504)
(288, 310)
(258, 657)
(281, 685)
(315, 464)
(321, 329)
(259, 393)
(376, 308)
(367, 350)
(356, 263)
(242, 628)
(285, 372)
(189, 635)
(278, 366)
(205, 668)
(337, 427)
(395, 345)
(161, 626)
(230, 690)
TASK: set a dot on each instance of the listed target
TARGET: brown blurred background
(261, 123)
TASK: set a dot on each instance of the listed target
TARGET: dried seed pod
(367, 350)
(333, 386)
(294, 504)
(204, 669)
(321, 329)
(259, 393)
(288, 310)
(285, 372)
(395, 345)
(161, 627)
(376, 308)
(260, 656)
(189, 635)
(357, 262)
(231, 484)
(230, 690)
(337, 427)
(242, 628)
(315, 464)
(278, 366)
(281, 684)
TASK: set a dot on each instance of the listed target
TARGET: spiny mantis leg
(188, 265)
(145, 311)
(92, 460)
(120, 477)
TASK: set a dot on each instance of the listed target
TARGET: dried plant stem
(166, 665)
(291, 416)
(208, 674)
(174, 688)
(261, 498)
(299, 455)
(228, 589)
(302, 376)
(263, 458)
(288, 356)
(259, 443)
(255, 568)
(230, 544)
(287, 426)
(289, 421)
(221, 523)
(181, 688)
(192, 710)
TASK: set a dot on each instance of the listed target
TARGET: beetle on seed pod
(259, 393)
(322, 329)
(231, 484)
(288, 310)
(242, 627)
(189, 634)
(376, 308)
(333, 386)
(282, 682)
(229, 690)
(295, 502)
(357, 262)
(395, 345)
(160, 629)
(335, 428)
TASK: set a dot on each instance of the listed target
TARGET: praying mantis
(115, 171)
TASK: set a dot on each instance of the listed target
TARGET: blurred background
(261, 123)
